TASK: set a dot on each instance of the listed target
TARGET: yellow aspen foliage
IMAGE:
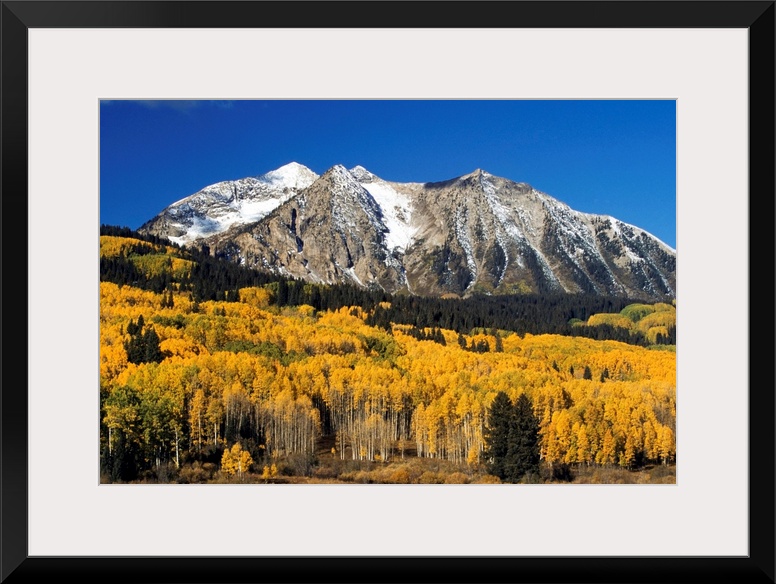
(183, 348)
(214, 415)
(197, 420)
(228, 464)
(126, 301)
(113, 360)
(254, 296)
(584, 454)
(121, 410)
(653, 332)
(473, 456)
(606, 454)
(272, 372)
(236, 461)
(269, 472)
(629, 453)
(664, 318)
(557, 439)
(616, 320)
(305, 310)
(667, 444)
(651, 445)
(111, 246)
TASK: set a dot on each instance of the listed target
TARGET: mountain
(477, 233)
(236, 202)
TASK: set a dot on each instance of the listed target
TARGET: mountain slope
(218, 207)
(477, 233)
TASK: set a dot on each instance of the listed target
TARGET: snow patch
(502, 215)
(617, 226)
(352, 273)
(466, 244)
(396, 208)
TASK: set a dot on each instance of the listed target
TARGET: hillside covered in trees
(211, 372)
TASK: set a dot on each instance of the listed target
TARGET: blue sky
(614, 157)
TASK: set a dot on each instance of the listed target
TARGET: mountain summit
(477, 233)
(218, 207)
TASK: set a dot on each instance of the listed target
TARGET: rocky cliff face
(475, 233)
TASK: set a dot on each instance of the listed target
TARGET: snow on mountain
(220, 206)
(477, 233)
(352, 196)
(292, 175)
(395, 206)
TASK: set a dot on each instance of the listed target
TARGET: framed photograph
(78, 82)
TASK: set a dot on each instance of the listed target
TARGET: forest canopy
(210, 370)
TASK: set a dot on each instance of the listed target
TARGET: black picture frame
(19, 16)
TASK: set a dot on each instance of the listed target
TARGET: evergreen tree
(142, 347)
(135, 348)
(499, 343)
(496, 434)
(512, 439)
(587, 374)
(282, 298)
(461, 340)
(133, 328)
(151, 350)
(122, 464)
(522, 460)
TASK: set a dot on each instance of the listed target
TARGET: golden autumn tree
(236, 461)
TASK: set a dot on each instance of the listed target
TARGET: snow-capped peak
(362, 174)
(339, 170)
(218, 207)
(292, 174)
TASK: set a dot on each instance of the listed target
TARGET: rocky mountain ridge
(477, 233)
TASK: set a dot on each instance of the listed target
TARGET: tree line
(214, 278)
